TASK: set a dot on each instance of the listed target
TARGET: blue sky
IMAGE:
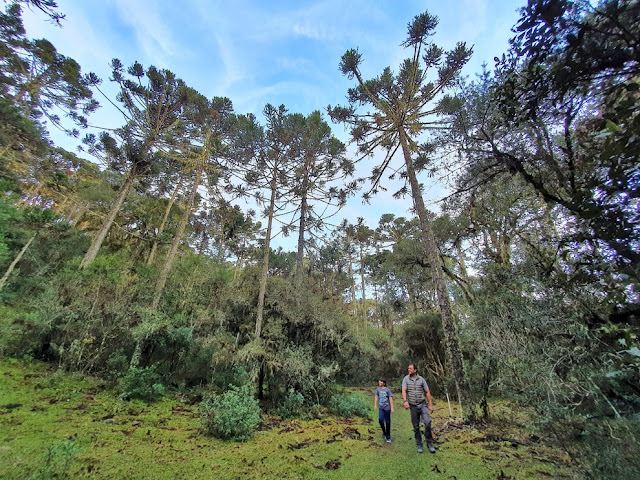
(279, 52)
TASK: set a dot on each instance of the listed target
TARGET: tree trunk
(137, 353)
(351, 276)
(362, 289)
(6, 275)
(204, 244)
(154, 247)
(164, 274)
(261, 375)
(412, 297)
(463, 271)
(469, 412)
(92, 253)
(389, 316)
(364, 302)
(221, 244)
(265, 257)
(300, 257)
(240, 259)
(303, 213)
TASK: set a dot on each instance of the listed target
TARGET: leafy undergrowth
(55, 425)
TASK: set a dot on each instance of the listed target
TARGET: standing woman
(384, 403)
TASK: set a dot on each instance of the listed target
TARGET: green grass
(48, 418)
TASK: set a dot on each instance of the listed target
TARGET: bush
(116, 366)
(616, 441)
(225, 375)
(234, 415)
(315, 412)
(349, 406)
(142, 383)
(56, 461)
(23, 333)
(313, 377)
(291, 406)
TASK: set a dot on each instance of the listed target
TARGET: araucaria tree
(323, 164)
(202, 145)
(404, 107)
(39, 83)
(265, 157)
(40, 80)
(153, 113)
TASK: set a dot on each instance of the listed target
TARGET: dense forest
(133, 261)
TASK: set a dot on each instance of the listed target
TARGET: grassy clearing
(53, 423)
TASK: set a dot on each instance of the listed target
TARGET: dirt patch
(180, 410)
(494, 438)
(351, 433)
(66, 419)
(452, 425)
(303, 444)
(330, 465)
(502, 476)
(292, 427)
(345, 421)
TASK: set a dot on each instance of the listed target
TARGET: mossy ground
(41, 409)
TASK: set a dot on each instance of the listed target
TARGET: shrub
(23, 333)
(616, 442)
(315, 412)
(56, 461)
(116, 366)
(349, 405)
(291, 405)
(142, 383)
(225, 375)
(304, 373)
(234, 415)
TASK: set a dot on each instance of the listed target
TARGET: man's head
(382, 382)
(412, 369)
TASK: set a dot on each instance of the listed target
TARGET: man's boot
(428, 436)
(430, 446)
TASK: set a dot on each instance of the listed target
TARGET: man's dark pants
(420, 412)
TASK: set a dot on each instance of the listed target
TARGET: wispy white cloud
(309, 31)
(233, 70)
(153, 36)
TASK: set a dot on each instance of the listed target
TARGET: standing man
(414, 392)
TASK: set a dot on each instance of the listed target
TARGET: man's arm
(404, 397)
(375, 401)
(391, 402)
(428, 393)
